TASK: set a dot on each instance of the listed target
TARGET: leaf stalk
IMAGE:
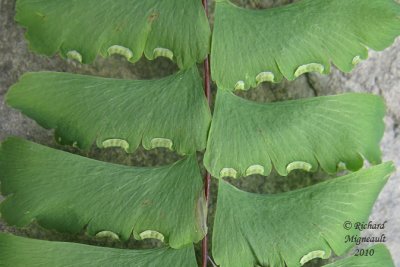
(207, 177)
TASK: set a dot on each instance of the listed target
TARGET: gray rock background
(380, 74)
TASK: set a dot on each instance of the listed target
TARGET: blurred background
(380, 75)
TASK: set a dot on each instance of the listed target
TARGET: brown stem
(207, 177)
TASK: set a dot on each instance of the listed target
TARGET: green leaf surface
(253, 46)
(25, 252)
(171, 112)
(80, 30)
(293, 227)
(380, 258)
(335, 131)
(70, 193)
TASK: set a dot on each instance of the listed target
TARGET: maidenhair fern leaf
(69, 193)
(293, 227)
(113, 112)
(177, 29)
(22, 252)
(380, 258)
(335, 131)
(252, 46)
